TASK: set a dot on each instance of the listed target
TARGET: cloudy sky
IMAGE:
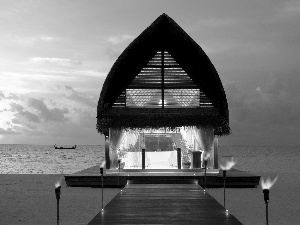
(55, 55)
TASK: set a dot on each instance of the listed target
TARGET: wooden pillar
(196, 159)
(143, 158)
(179, 158)
(216, 160)
(107, 158)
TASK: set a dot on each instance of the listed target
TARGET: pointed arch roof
(164, 34)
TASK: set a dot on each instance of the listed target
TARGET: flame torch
(228, 166)
(57, 194)
(206, 156)
(266, 185)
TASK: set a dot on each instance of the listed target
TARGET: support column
(143, 158)
(107, 158)
(196, 159)
(216, 160)
(179, 158)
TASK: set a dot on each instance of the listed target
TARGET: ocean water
(45, 159)
(274, 159)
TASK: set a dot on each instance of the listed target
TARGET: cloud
(8, 131)
(112, 54)
(16, 107)
(56, 61)
(46, 38)
(29, 131)
(114, 45)
(115, 40)
(267, 116)
(22, 114)
(1, 95)
(13, 96)
(276, 103)
(55, 114)
(216, 47)
(214, 23)
(79, 97)
(292, 7)
(29, 40)
(60, 71)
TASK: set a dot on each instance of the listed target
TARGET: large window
(162, 83)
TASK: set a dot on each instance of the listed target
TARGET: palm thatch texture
(163, 79)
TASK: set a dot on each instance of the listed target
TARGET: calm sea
(45, 159)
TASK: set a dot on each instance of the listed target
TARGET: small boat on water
(62, 147)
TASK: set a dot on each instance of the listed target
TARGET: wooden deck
(164, 204)
(91, 178)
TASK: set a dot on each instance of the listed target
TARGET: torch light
(228, 166)
(57, 194)
(206, 156)
(266, 185)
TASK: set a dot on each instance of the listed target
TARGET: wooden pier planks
(164, 204)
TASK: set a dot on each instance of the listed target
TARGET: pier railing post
(107, 158)
(179, 158)
(143, 158)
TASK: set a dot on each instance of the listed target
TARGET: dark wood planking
(164, 204)
(91, 177)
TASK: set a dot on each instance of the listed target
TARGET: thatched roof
(164, 34)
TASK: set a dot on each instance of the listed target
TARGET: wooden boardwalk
(164, 204)
(90, 177)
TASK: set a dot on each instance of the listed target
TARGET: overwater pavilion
(162, 104)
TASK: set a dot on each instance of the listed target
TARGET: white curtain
(128, 149)
(115, 137)
(129, 140)
(205, 137)
(197, 136)
(187, 136)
